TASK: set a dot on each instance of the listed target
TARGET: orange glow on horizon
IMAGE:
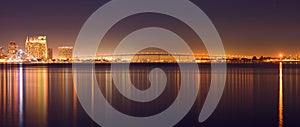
(280, 55)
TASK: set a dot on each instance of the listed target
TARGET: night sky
(247, 27)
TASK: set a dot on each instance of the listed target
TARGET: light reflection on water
(44, 95)
(280, 97)
(21, 95)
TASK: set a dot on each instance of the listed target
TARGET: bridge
(152, 57)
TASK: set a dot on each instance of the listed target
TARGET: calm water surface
(254, 95)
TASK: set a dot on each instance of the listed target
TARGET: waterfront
(255, 95)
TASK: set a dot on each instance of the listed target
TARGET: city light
(37, 51)
(280, 55)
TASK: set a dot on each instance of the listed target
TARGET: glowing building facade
(37, 47)
(65, 53)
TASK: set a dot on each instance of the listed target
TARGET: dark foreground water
(254, 95)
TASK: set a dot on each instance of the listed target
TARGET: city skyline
(36, 46)
(55, 50)
(37, 51)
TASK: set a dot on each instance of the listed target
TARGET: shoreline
(151, 63)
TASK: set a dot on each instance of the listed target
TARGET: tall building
(65, 53)
(12, 48)
(37, 47)
(50, 53)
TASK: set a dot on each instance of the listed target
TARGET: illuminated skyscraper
(37, 47)
(65, 53)
(12, 48)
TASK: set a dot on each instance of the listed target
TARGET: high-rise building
(65, 53)
(12, 48)
(37, 47)
(50, 53)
